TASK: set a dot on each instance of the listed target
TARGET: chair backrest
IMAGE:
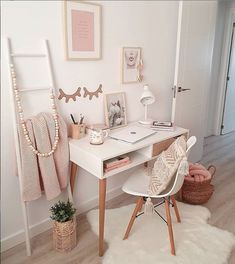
(190, 143)
(179, 178)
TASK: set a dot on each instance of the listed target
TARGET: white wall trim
(223, 70)
(46, 224)
(209, 80)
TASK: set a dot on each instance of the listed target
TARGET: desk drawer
(163, 145)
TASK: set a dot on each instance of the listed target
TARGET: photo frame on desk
(115, 109)
(82, 29)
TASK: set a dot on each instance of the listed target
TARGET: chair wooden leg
(176, 209)
(140, 208)
(139, 204)
(169, 225)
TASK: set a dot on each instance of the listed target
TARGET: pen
(81, 119)
(73, 119)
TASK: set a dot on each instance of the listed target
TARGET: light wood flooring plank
(218, 150)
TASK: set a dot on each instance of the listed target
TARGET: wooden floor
(219, 150)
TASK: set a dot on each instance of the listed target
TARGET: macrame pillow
(166, 166)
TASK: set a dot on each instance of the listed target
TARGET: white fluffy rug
(195, 240)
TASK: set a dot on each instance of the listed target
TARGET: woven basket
(198, 192)
(64, 236)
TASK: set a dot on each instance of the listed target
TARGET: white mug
(97, 136)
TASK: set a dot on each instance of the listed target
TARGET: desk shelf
(136, 159)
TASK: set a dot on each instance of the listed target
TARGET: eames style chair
(138, 184)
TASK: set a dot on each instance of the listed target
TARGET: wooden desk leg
(73, 173)
(102, 196)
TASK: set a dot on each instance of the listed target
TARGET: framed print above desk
(82, 22)
(132, 65)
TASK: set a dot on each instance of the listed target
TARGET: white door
(228, 123)
(194, 68)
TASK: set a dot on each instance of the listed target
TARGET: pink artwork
(82, 30)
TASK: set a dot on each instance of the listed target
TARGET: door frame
(222, 83)
(232, 44)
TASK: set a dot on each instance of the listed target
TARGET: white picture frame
(82, 30)
(131, 60)
(115, 110)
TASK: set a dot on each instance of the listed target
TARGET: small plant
(62, 211)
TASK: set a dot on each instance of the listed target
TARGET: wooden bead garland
(23, 123)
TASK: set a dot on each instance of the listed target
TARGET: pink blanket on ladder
(44, 173)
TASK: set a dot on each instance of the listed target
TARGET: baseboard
(46, 224)
(19, 237)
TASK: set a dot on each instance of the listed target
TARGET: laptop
(132, 134)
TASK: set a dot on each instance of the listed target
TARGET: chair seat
(138, 184)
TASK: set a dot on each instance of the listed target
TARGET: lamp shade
(147, 96)
(146, 99)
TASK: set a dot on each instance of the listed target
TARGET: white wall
(229, 20)
(229, 109)
(150, 25)
(218, 44)
(231, 4)
(220, 54)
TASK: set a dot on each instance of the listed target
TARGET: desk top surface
(112, 148)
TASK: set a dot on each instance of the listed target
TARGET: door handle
(180, 89)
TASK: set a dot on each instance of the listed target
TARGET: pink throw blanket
(197, 173)
(44, 173)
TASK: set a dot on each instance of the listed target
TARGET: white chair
(138, 184)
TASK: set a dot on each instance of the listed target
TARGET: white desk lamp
(146, 99)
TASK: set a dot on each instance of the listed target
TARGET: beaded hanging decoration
(23, 123)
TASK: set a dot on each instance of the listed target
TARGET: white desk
(91, 158)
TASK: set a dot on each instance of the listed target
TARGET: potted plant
(64, 226)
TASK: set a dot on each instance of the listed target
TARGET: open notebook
(132, 134)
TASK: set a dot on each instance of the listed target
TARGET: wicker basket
(64, 236)
(198, 192)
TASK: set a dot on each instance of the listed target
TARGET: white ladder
(16, 126)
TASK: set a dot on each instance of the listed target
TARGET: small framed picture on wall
(132, 65)
(82, 22)
(115, 110)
